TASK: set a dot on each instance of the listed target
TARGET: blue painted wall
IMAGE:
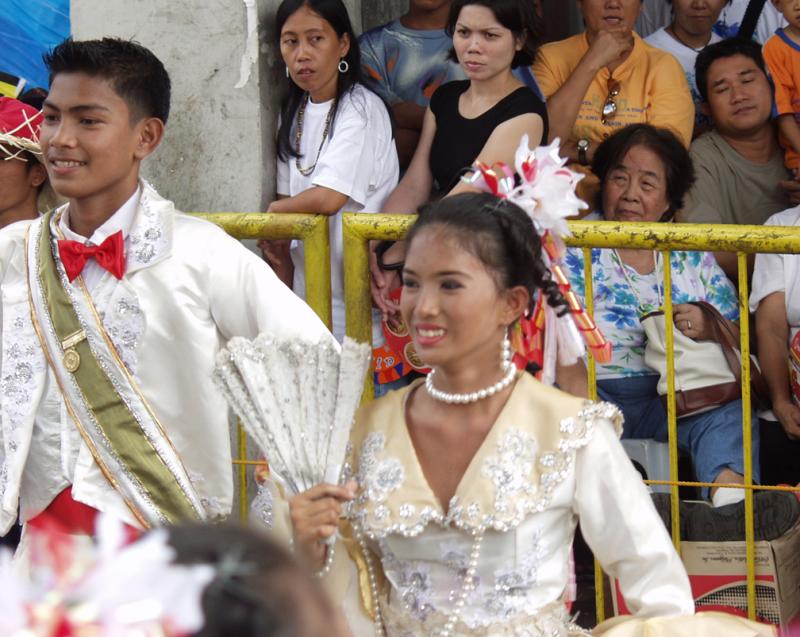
(28, 28)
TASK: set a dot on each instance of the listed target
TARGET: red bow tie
(109, 255)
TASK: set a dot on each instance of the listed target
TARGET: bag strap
(723, 336)
(750, 19)
(730, 345)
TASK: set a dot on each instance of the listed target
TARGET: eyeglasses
(610, 106)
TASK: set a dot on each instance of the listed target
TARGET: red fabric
(110, 255)
(66, 515)
(19, 119)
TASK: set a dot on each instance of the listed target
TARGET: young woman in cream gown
(466, 487)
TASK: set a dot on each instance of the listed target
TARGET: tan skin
(772, 330)
(694, 20)
(457, 315)
(93, 146)
(740, 105)
(485, 50)
(636, 190)
(20, 180)
(311, 50)
(609, 31)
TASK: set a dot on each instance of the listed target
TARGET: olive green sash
(129, 448)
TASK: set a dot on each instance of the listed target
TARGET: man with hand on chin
(605, 78)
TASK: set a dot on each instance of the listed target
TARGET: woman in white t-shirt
(336, 151)
(775, 298)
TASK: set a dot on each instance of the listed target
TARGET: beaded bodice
(499, 552)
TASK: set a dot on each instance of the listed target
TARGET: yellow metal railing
(743, 240)
(312, 230)
(359, 229)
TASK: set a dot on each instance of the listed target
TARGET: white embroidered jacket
(188, 287)
(549, 460)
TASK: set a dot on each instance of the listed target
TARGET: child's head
(697, 17)
(259, 590)
(108, 103)
(790, 10)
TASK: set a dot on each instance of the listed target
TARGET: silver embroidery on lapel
(22, 361)
(147, 237)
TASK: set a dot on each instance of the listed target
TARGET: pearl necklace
(472, 397)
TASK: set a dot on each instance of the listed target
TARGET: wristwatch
(583, 146)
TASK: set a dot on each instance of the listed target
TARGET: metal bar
(588, 294)
(241, 437)
(358, 300)
(358, 230)
(685, 236)
(672, 416)
(588, 285)
(311, 229)
(747, 435)
(732, 485)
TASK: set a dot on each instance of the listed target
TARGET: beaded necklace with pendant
(298, 135)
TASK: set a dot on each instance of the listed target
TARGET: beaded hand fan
(297, 400)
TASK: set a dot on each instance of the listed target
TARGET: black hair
(134, 72)
(258, 591)
(678, 166)
(500, 234)
(334, 13)
(518, 16)
(34, 97)
(725, 49)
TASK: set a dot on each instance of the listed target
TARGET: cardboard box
(717, 573)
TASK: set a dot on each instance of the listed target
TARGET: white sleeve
(247, 298)
(768, 275)
(283, 185)
(625, 533)
(347, 164)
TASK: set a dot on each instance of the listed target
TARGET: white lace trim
(551, 620)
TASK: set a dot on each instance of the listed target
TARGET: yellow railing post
(358, 230)
(672, 417)
(313, 231)
(747, 436)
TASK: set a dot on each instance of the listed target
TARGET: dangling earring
(507, 356)
(287, 71)
(344, 66)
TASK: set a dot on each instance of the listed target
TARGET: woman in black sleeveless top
(481, 118)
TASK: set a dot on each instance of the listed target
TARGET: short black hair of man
(678, 167)
(133, 71)
(725, 49)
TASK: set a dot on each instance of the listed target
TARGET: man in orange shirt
(606, 78)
